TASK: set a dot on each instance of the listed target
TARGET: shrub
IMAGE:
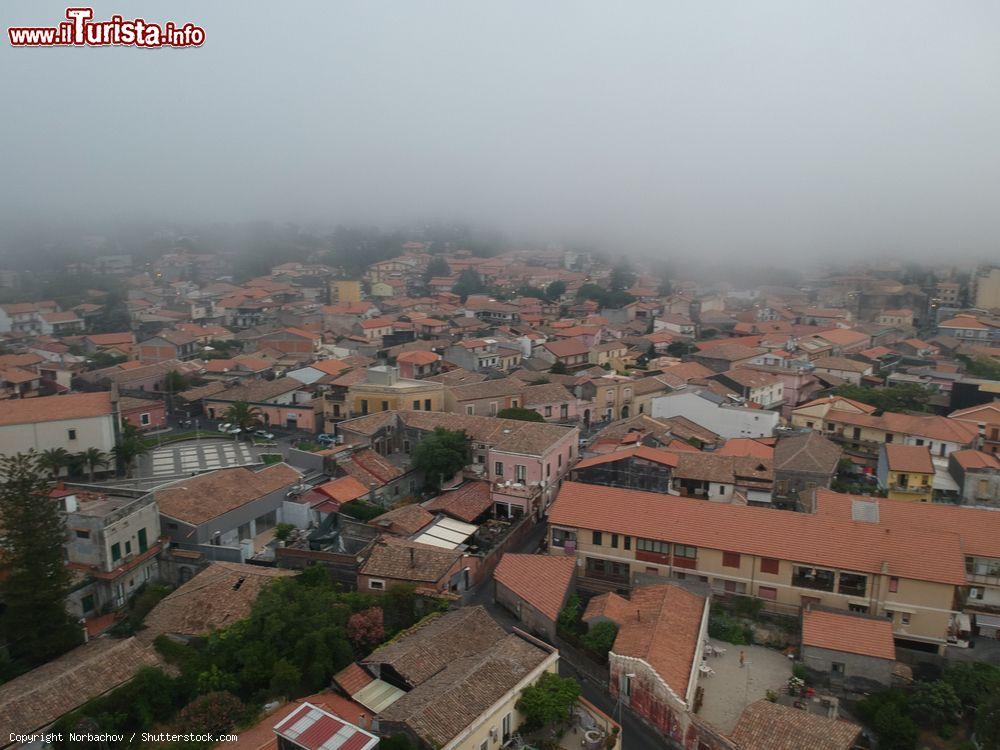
(366, 629)
(894, 729)
(283, 531)
(212, 713)
(973, 682)
(568, 622)
(600, 638)
(726, 628)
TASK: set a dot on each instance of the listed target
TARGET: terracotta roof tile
(815, 539)
(53, 408)
(852, 634)
(771, 726)
(541, 580)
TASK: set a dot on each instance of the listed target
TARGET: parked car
(263, 434)
(224, 427)
(326, 438)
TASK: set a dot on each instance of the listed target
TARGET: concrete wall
(91, 432)
(855, 665)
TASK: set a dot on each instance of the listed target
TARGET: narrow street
(636, 735)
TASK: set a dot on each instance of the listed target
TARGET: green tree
(243, 415)
(555, 290)
(934, 704)
(559, 368)
(568, 622)
(601, 637)
(286, 679)
(53, 460)
(439, 455)
(35, 623)
(438, 266)
(520, 413)
(531, 291)
(92, 458)
(469, 282)
(622, 276)
(681, 349)
(902, 397)
(129, 448)
(988, 723)
(212, 713)
(973, 681)
(894, 729)
(548, 702)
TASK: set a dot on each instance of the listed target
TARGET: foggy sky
(790, 128)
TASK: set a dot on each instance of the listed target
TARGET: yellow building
(345, 291)
(906, 472)
(842, 556)
(383, 390)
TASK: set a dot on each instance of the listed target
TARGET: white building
(715, 413)
(76, 422)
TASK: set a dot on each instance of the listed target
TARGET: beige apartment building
(383, 390)
(788, 559)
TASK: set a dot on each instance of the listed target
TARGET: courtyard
(732, 687)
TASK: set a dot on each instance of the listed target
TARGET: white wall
(727, 421)
(91, 432)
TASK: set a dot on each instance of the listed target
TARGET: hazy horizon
(786, 130)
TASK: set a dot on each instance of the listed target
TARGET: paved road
(194, 456)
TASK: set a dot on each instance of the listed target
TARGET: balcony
(852, 584)
(813, 578)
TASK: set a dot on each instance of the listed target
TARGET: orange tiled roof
(814, 539)
(915, 458)
(541, 580)
(852, 634)
(53, 408)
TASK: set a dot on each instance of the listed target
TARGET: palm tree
(242, 415)
(53, 460)
(130, 447)
(92, 458)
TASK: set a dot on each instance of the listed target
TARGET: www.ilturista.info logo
(80, 30)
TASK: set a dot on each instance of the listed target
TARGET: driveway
(195, 456)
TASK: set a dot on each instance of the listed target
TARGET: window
(564, 411)
(837, 667)
(427, 405)
(559, 461)
(548, 411)
(498, 468)
(812, 578)
(416, 404)
(385, 406)
(769, 565)
(406, 449)
(919, 441)
(852, 584)
(614, 541)
(364, 406)
(470, 410)
(82, 534)
(116, 552)
(893, 585)
(520, 472)
(71, 434)
(650, 545)
(767, 592)
(561, 536)
(485, 745)
(144, 419)
(627, 542)
(731, 559)
(493, 408)
(888, 438)
(128, 548)
(506, 727)
(548, 470)
(689, 552)
(596, 539)
(904, 618)
(514, 403)
(87, 603)
(376, 584)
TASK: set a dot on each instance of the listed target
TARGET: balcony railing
(816, 582)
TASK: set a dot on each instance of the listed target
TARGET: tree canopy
(440, 454)
(549, 701)
(605, 298)
(901, 397)
(469, 282)
(519, 412)
(35, 623)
